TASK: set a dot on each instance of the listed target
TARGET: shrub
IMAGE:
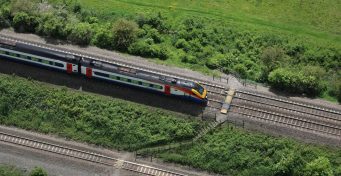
(38, 171)
(124, 33)
(183, 44)
(295, 81)
(26, 6)
(103, 38)
(81, 34)
(319, 166)
(23, 22)
(215, 61)
(272, 57)
(52, 27)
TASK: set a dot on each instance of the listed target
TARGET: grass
(318, 20)
(90, 118)
(233, 151)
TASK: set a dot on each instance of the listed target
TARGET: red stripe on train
(88, 72)
(167, 89)
(69, 68)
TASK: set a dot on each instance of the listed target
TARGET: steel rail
(85, 155)
(287, 120)
(287, 108)
(290, 102)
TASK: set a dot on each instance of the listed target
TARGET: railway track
(287, 120)
(85, 155)
(287, 112)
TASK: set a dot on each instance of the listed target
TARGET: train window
(50, 62)
(18, 55)
(140, 83)
(45, 62)
(2, 52)
(58, 64)
(23, 56)
(35, 59)
(129, 80)
(135, 81)
(158, 87)
(118, 78)
(13, 54)
(102, 74)
(151, 85)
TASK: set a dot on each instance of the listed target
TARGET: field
(119, 124)
(318, 19)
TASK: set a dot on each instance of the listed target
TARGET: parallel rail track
(85, 155)
(287, 112)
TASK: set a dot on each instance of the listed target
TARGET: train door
(167, 89)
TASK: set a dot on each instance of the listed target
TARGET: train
(101, 69)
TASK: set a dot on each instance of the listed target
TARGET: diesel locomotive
(100, 69)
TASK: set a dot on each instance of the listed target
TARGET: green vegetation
(122, 125)
(238, 37)
(6, 170)
(236, 152)
(9, 171)
(89, 118)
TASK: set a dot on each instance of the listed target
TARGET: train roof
(138, 73)
(100, 64)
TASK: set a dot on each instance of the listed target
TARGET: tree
(81, 34)
(52, 26)
(271, 57)
(27, 6)
(292, 80)
(23, 22)
(103, 38)
(318, 167)
(124, 33)
(38, 171)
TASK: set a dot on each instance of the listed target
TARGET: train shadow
(79, 82)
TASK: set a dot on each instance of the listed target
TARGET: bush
(103, 38)
(52, 26)
(23, 22)
(5, 18)
(38, 171)
(215, 61)
(295, 81)
(319, 166)
(145, 49)
(81, 34)
(124, 33)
